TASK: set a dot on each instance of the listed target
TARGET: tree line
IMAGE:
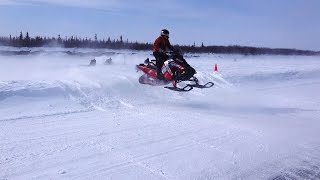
(77, 42)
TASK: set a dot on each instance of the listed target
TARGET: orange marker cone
(215, 68)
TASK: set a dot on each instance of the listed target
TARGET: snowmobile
(175, 70)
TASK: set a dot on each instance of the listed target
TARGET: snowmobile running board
(184, 89)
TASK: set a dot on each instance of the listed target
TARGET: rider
(161, 45)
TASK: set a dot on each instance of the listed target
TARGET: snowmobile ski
(184, 89)
(207, 85)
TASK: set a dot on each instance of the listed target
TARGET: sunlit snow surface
(61, 119)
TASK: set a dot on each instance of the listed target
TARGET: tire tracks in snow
(45, 115)
(141, 160)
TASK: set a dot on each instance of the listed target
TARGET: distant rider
(160, 47)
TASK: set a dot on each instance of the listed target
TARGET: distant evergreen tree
(26, 41)
(59, 40)
(21, 36)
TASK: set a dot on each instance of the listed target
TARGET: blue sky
(272, 23)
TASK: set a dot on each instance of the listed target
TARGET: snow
(61, 119)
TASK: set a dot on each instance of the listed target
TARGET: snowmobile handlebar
(174, 54)
(177, 56)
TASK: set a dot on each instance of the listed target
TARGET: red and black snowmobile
(175, 70)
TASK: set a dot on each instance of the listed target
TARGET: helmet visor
(164, 33)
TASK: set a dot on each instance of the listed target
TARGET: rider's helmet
(165, 33)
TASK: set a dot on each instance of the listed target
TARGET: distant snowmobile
(93, 62)
(108, 61)
(175, 70)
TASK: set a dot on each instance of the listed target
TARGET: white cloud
(100, 4)
(7, 2)
(157, 9)
(161, 7)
